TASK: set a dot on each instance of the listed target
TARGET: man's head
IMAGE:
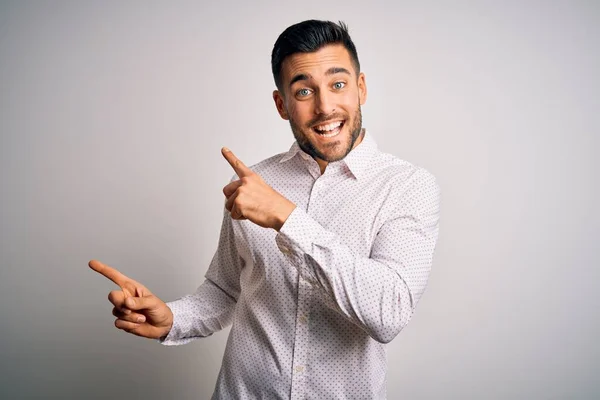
(319, 87)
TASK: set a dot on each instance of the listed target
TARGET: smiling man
(324, 251)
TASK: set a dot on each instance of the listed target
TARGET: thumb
(140, 303)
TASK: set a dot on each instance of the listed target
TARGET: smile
(329, 130)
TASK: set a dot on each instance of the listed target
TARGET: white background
(112, 115)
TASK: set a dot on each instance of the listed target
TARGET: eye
(339, 85)
(303, 92)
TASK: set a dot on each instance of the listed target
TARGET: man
(324, 250)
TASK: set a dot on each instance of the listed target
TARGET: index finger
(109, 272)
(238, 166)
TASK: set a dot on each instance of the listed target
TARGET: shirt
(312, 305)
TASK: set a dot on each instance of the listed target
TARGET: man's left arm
(380, 292)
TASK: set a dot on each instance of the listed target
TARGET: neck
(322, 164)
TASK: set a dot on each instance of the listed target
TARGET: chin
(329, 141)
(334, 151)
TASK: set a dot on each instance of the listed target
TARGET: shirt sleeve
(211, 307)
(379, 293)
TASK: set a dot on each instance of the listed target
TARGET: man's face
(321, 96)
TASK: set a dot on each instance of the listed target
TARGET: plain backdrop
(112, 116)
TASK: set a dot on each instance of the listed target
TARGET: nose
(325, 103)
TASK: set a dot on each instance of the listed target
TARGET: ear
(280, 104)
(362, 89)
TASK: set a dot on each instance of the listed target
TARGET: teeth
(332, 134)
(328, 127)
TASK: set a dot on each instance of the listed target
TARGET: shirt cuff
(296, 239)
(174, 337)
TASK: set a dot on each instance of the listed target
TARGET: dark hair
(307, 37)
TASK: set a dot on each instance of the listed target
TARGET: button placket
(314, 194)
(299, 363)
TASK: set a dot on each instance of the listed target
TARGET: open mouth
(330, 129)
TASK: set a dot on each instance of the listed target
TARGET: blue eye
(303, 92)
(339, 85)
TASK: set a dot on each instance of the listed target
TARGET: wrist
(168, 324)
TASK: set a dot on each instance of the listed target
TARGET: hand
(137, 310)
(251, 198)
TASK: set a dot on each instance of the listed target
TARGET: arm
(211, 307)
(378, 293)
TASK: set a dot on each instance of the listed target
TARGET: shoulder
(401, 172)
(409, 188)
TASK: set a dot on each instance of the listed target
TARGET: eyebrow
(330, 71)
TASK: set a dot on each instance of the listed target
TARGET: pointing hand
(137, 310)
(251, 198)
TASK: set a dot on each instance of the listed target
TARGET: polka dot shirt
(313, 305)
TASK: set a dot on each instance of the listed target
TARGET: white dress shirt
(313, 305)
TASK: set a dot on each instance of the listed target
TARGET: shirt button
(299, 369)
(284, 249)
(303, 319)
(306, 281)
(309, 281)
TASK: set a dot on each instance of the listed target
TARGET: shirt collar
(292, 152)
(357, 160)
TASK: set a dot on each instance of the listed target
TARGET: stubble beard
(307, 146)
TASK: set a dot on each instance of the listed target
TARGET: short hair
(307, 37)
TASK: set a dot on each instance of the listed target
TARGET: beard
(309, 148)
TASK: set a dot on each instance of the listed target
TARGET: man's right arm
(198, 315)
(211, 307)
